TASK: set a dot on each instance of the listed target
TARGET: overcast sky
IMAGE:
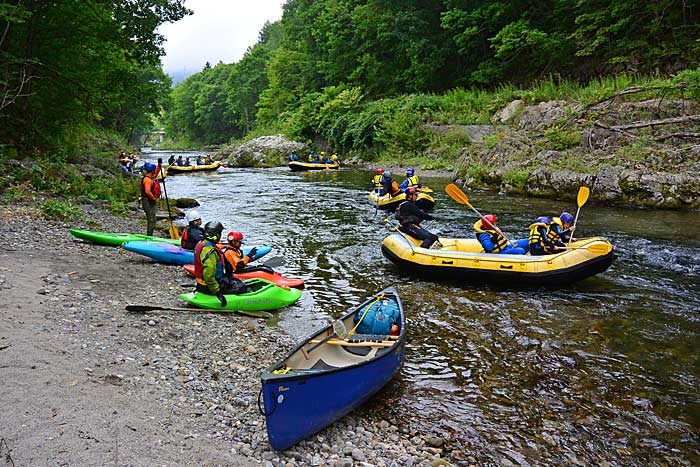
(219, 30)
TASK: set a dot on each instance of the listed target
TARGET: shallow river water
(604, 372)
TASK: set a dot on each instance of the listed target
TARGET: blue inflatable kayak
(168, 253)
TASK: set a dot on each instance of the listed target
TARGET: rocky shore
(86, 383)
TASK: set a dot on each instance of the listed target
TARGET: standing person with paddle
(209, 263)
(410, 216)
(150, 192)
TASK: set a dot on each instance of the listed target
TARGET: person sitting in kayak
(411, 180)
(209, 264)
(410, 216)
(193, 233)
(236, 261)
(378, 182)
(493, 240)
(390, 186)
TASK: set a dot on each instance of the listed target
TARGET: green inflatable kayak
(260, 295)
(116, 239)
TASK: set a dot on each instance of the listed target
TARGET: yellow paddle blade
(583, 193)
(599, 248)
(425, 189)
(456, 194)
(174, 232)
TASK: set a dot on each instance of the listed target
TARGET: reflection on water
(604, 371)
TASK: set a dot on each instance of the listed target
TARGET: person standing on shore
(150, 192)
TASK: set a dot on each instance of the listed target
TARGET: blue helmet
(567, 218)
(410, 172)
(544, 220)
(150, 167)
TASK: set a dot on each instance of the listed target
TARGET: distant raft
(176, 169)
(297, 166)
(465, 260)
(387, 203)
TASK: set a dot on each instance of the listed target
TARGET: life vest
(189, 241)
(378, 182)
(198, 261)
(538, 231)
(234, 258)
(154, 191)
(412, 181)
(391, 187)
(498, 240)
(552, 231)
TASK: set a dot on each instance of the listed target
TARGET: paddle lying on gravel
(146, 308)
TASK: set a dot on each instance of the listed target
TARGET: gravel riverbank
(86, 383)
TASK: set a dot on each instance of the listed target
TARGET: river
(603, 372)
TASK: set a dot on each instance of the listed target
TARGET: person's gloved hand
(221, 298)
(252, 253)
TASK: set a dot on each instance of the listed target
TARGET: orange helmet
(488, 221)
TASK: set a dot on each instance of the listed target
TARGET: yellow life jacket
(552, 233)
(378, 181)
(536, 237)
(498, 240)
(412, 181)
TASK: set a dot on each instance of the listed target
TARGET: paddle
(174, 232)
(339, 330)
(395, 228)
(146, 308)
(596, 248)
(461, 197)
(581, 199)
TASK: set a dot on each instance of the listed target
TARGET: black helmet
(213, 229)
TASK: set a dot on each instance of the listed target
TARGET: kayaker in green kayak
(209, 266)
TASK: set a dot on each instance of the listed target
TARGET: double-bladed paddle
(147, 308)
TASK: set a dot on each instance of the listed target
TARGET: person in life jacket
(538, 239)
(179, 161)
(410, 216)
(236, 261)
(171, 159)
(493, 241)
(209, 264)
(198, 161)
(150, 192)
(193, 233)
(208, 160)
(561, 230)
(334, 158)
(411, 180)
(378, 182)
(390, 186)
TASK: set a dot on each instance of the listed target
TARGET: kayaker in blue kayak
(492, 239)
(209, 264)
(193, 233)
(410, 216)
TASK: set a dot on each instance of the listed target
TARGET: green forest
(361, 75)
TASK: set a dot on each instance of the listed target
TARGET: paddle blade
(457, 194)
(275, 262)
(583, 193)
(600, 248)
(174, 232)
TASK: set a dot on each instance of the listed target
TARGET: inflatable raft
(387, 203)
(176, 169)
(297, 166)
(261, 295)
(464, 259)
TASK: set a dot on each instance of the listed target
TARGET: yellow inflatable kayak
(387, 203)
(464, 259)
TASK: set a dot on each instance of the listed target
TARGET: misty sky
(219, 30)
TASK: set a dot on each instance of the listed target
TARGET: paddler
(150, 192)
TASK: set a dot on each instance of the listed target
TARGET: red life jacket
(156, 188)
(198, 269)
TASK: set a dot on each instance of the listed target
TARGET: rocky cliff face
(643, 154)
(266, 151)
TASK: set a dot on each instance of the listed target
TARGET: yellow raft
(298, 166)
(465, 260)
(176, 169)
(387, 203)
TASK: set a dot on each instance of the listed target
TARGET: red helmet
(488, 218)
(411, 190)
(234, 236)
(380, 171)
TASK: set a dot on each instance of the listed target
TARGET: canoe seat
(321, 365)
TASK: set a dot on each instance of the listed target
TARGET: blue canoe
(326, 377)
(168, 253)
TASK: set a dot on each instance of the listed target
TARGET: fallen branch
(678, 135)
(665, 121)
(610, 128)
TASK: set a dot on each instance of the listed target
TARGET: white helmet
(193, 215)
